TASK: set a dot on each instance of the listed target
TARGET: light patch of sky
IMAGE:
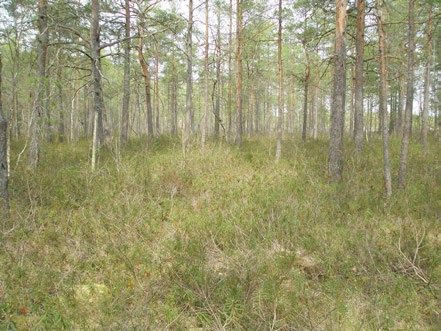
(5, 19)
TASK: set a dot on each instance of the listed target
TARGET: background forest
(220, 165)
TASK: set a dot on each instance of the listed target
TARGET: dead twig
(413, 263)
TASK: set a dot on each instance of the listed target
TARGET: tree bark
(256, 108)
(409, 98)
(4, 181)
(351, 102)
(335, 163)
(401, 98)
(174, 107)
(315, 103)
(86, 107)
(425, 114)
(125, 114)
(16, 118)
(306, 90)
(75, 103)
(60, 104)
(280, 91)
(156, 88)
(291, 101)
(189, 86)
(230, 76)
(98, 98)
(250, 112)
(47, 130)
(218, 88)
(206, 91)
(239, 46)
(383, 99)
(37, 109)
(147, 87)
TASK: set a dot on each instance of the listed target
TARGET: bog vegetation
(224, 239)
(220, 165)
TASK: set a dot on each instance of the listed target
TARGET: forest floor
(224, 239)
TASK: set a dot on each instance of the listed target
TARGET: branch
(414, 262)
(130, 38)
(116, 42)
(75, 32)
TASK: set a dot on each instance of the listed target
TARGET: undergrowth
(221, 239)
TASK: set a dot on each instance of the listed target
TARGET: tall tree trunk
(401, 98)
(351, 102)
(425, 115)
(16, 118)
(86, 107)
(174, 114)
(230, 75)
(189, 87)
(48, 118)
(37, 109)
(218, 88)
(359, 70)
(383, 99)
(251, 102)
(206, 91)
(60, 103)
(138, 110)
(156, 88)
(3, 154)
(306, 90)
(280, 90)
(409, 97)
(147, 88)
(291, 101)
(256, 109)
(98, 98)
(266, 125)
(75, 103)
(239, 46)
(335, 163)
(315, 103)
(125, 114)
